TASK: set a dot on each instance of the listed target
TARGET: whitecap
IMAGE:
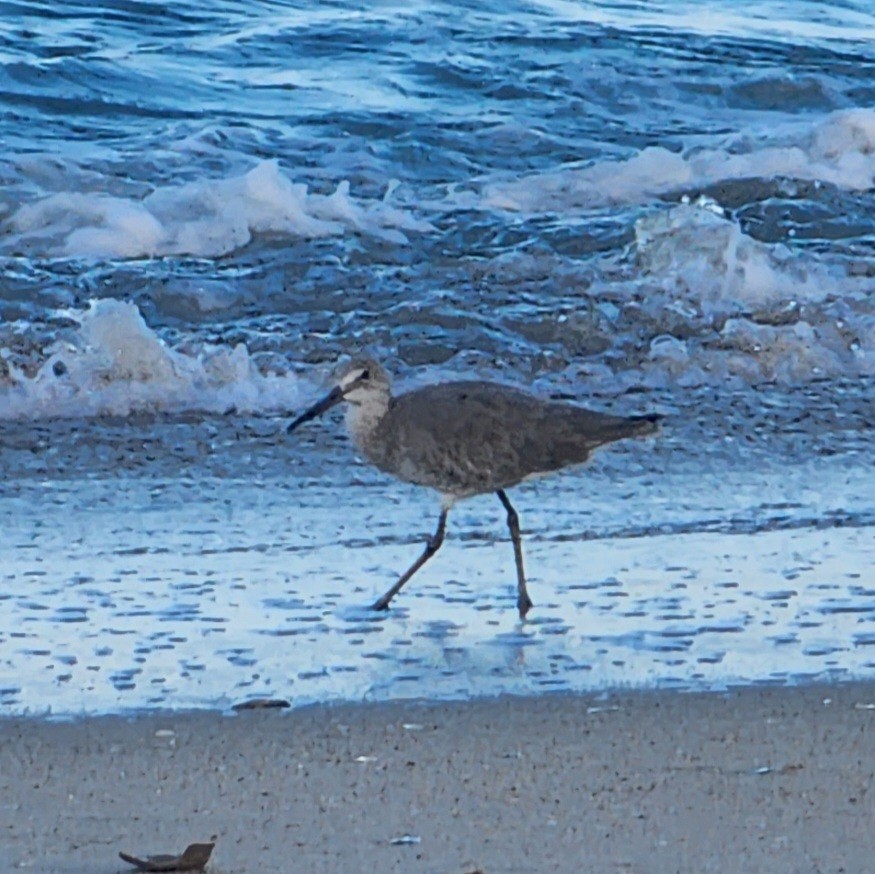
(113, 363)
(838, 150)
(204, 218)
(704, 257)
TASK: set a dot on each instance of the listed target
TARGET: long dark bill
(335, 396)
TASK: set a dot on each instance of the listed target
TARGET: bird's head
(362, 382)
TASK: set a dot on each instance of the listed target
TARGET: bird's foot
(524, 604)
(380, 604)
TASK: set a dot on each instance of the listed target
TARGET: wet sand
(759, 779)
(203, 577)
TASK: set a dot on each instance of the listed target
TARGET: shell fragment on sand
(405, 840)
(193, 858)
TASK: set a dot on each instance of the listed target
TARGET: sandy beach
(771, 779)
(654, 209)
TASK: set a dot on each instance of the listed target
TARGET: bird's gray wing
(470, 437)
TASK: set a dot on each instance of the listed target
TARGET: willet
(467, 438)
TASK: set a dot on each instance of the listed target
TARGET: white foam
(736, 310)
(206, 218)
(652, 171)
(839, 150)
(114, 364)
(704, 257)
(744, 353)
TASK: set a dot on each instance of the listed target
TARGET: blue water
(409, 84)
(642, 206)
(329, 170)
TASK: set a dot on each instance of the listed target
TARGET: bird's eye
(366, 374)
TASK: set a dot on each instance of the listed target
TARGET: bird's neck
(363, 421)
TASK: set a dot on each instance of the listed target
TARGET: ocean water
(638, 206)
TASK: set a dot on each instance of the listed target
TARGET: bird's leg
(523, 601)
(432, 545)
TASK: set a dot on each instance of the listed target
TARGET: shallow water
(236, 577)
(637, 206)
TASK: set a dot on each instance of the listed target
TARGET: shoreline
(770, 778)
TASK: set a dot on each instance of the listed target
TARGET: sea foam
(703, 255)
(114, 364)
(742, 310)
(838, 150)
(206, 218)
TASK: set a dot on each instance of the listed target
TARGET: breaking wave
(112, 363)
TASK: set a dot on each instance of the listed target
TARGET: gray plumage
(465, 439)
(469, 438)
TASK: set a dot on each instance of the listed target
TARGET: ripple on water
(691, 609)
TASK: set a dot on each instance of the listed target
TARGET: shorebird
(464, 439)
